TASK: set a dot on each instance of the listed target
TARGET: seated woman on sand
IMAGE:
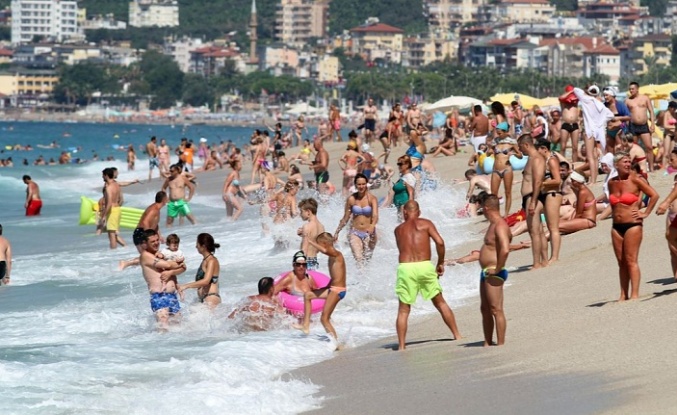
(586, 207)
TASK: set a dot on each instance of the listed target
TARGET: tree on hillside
(405, 14)
(163, 78)
(77, 83)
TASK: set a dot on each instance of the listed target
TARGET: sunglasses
(301, 264)
(400, 164)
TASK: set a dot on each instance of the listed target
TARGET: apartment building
(524, 11)
(647, 51)
(160, 13)
(604, 60)
(298, 21)
(29, 82)
(503, 54)
(50, 19)
(566, 54)
(444, 15)
(376, 40)
(423, 50)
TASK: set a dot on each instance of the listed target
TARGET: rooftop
(376, 28)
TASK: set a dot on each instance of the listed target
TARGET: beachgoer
(404, 189)
(493, 257)
(621, 116)
(414, 117)
(671, 224)
(319, 166)
(502, 172)
(163, 157)
(415, 272)
(112, 212)
(160, 276)
(474, 255)
(131, 157)
(555, 130)
(285, 203)
(207, 276)
(361, 209)
(370, 113)
(532, 182)
(479, 128)
(586, 207)
(5, 259)
(259, 311)
(309, 231)
(570, 123)
(550, 195)
(334, 123)
(151, 151)
(33, 203)
(150, 219)
(625, 190)
(642, 119)
(231, 191)
(296, 282)
(349, 162)
(334, 291)
(480, 181)
(178, 201)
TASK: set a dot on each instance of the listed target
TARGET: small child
(334, 292)
(171, 253)
(309, 231)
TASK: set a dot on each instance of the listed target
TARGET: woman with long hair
(361, 210)
(626, 231)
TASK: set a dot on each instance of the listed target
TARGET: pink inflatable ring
(294, 303)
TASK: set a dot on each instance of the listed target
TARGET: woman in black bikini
(551, 196)
(502, 171)
(626, 231)
(207, 276)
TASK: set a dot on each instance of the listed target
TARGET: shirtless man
(570, 125)
(178, 202)
(33, 202)
(150, 219)
(479, 128)
(153, 162)
(309, 231)
(370, 113)
(258, 311)
(335, 122)
(112, 203)
(415, 272)
(532, 180)
(414, 116)
(554, 130)
(641, 111)
(319, 166)
(493, 256)
(163, 296)
(5, 259)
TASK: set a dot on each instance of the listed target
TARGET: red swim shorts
(34, 207)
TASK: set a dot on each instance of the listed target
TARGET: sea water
(78, 337)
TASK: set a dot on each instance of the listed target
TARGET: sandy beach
(570, 347)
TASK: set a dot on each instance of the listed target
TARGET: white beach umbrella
(448, 103)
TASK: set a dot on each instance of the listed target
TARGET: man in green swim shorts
(416, 273)
(493, 255)
(178, 201)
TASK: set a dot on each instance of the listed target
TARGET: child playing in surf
(172, 253)
(335, 290)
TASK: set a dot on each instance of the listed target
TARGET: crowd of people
(559, 153)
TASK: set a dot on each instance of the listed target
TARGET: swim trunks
(159, 301)
(370, 125)
(502, 275)
(341, 291)
(153, 163)
(570, 127)
(113, 219)
(178, 207)
(312, 263)
(3, 269)
(34, 207)
(415, 277)
(138, 236)
(322, 177)
(639, 129)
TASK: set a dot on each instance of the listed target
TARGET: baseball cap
(299, 258)
(203, 140)
(503, 126)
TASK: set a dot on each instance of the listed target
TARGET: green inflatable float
(89, 212)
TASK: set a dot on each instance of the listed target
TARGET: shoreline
(570, 346)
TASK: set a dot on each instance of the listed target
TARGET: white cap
(203, 140)
(577, 177)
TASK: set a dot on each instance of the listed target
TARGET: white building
(52, 19)
(160, 13)
(180, 51)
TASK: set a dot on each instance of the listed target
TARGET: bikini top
(625, 198)
(588, 204)
(293, 290)
(413, 152)
(236, 183)
(359, 210)
(200, 274)
(506, 151)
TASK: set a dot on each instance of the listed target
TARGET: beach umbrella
(526, 100)
(448, 103)
(549, 102)
(302, 108)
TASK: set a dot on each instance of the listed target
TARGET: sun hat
(577, 177)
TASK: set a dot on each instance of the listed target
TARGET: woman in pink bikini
(349, 162)
(626, 231)
(362, 211)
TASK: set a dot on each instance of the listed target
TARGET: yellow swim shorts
(415, 277)
(113, 219)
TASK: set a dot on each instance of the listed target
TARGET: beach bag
(537, 131)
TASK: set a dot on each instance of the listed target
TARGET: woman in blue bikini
(504, 147)
(362, 210)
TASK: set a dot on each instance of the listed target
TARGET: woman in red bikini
(626, 231)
